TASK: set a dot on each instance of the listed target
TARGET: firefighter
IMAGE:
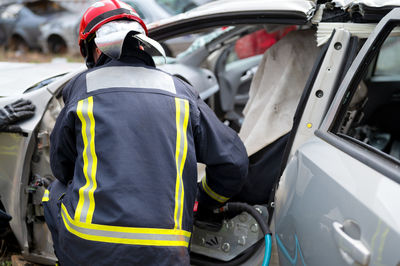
(124, 151)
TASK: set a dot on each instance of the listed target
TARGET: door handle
(246, 76)
(351, 247)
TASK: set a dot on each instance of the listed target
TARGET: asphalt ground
(32, 56)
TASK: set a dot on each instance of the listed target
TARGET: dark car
(19, 23)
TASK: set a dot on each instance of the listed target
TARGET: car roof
(305, 7)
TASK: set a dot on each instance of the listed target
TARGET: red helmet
(102, 12)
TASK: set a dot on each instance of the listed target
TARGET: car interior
(371, 117)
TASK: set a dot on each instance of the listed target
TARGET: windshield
(177, 6)
(204, 40)
(43, 83)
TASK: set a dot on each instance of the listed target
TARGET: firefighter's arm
(225, 156)
(62, 148)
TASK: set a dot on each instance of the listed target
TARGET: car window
(204, 40)
(11, 12)
(176, 6)
(43, 83)
(371, 108)
(388, 63)
(137, 9)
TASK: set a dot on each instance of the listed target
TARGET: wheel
(18, 44)
(57, 45)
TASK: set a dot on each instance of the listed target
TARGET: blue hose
(268, 247)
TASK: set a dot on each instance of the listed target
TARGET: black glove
(14, 112)
(206, 218)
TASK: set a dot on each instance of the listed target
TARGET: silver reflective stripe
(86, 201)
(181, 152)
(125, 235)
(129, 77)
(182, 118)
(86, 204)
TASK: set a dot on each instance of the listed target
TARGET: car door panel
(337, 201)
(323, 89)
(316, 193)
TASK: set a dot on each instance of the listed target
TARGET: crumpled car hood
(15, 78)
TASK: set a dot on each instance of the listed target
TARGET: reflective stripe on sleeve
(86, 204)
(211, 193)
(125, 235)
(182, 119)
(46, 196)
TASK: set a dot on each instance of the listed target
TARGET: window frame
(374, 158)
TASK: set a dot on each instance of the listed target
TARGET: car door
(338, 199)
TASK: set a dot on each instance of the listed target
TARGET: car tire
(18, 44)
(57, 45)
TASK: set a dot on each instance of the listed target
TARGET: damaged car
(317, 112)
(20, 22)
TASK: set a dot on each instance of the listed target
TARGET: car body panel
(16, 154)
(32, 73)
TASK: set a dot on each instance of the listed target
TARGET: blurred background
(47, 30)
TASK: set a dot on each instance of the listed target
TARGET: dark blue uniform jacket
(126, 146)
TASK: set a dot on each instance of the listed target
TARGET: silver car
(320, 126)
(20, 22)
(60, 34)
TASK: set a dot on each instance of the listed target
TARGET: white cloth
(276, 89)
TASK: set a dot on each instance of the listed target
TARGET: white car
(321, 128)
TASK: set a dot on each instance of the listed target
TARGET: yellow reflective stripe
(46, 196)
(125, 235)
(182, 119)
(86, 204)
(211, 193)
(94, 162)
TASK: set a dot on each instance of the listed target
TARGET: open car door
(337, 201)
